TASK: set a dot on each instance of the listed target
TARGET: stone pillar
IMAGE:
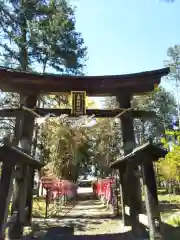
(130, 184)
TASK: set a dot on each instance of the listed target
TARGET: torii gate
(31, 85)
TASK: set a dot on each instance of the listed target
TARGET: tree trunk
(23, 27)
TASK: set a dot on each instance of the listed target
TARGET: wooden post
(26, 136)
(130, 184)
(15, 230)
(47, 203)
(29, 199)
(24, 133)
(122, 201)
(151, 201)
(23, 194)
(117, 193)
(6, 183)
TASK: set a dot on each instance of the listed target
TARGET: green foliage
(174, 64)
(73, 151)
(160, 128)
(41, 32)
(106, 148)
(163, 103)
(57, 44)
(174, 221)
(174, 61)
(169, 167)
(8, 100)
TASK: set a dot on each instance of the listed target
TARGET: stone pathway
(88, 220)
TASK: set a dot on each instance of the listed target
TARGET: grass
(39, 207)
(169, 206)
(55, 209)
(170, 209)
(164, 196)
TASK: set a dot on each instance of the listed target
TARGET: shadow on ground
(47, 230)
(86, 226)
(50, 231)
(68, 234)
(166, 207)
(170, 232)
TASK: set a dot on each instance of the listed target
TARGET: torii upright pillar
(27, 135)
(23, 135)
(129, 182)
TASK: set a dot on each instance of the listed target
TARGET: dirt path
(88, 220)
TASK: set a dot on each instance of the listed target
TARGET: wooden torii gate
(31, 85)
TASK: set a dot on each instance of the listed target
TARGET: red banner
(104, 188)
(58, 188)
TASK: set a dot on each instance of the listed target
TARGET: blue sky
(126, 36)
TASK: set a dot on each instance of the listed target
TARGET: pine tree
(41, 32)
